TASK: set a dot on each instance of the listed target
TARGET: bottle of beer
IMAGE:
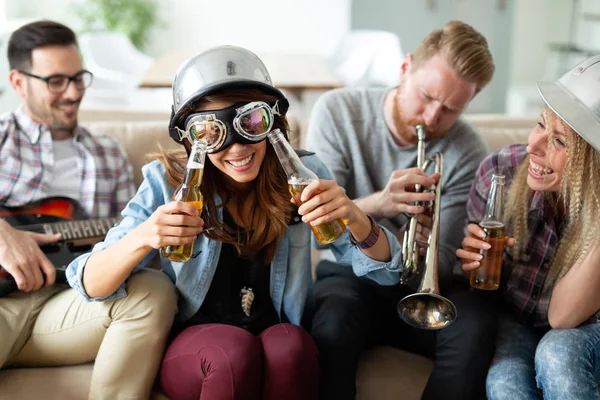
(298, 178)
(487, 276)
(189, 192)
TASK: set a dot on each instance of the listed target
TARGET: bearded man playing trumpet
(368, 139)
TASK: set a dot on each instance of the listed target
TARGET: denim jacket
(290, 268)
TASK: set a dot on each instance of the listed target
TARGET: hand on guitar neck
(39, 240)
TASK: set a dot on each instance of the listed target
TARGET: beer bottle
(189, 192)
(298, 178)
(487, 276)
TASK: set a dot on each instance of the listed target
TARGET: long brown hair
(268, 196)
(577, 204)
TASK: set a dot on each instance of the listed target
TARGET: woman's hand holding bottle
(324, 201)
(172, 224)
(473, 245)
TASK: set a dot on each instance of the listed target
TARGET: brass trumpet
(425, 309)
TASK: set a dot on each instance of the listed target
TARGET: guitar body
(53, 209)
(56, 215)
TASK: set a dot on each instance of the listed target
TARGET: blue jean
(565, 363)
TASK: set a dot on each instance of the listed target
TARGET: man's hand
(21, 256)
(399, 193)
(422, 233)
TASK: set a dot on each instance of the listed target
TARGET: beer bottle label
(194, 164)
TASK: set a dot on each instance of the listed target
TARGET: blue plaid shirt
(27, 161)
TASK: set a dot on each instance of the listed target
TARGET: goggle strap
(275, 109)
(182, 134)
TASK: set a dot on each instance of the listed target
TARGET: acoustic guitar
(56, 215)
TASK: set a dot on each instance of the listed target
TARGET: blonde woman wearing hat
(247, 236)
(548, 342)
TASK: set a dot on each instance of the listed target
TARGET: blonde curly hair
(576, 204)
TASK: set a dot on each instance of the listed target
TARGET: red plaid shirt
(27, 160)
(523, 279)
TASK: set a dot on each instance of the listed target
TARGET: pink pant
(223, 362)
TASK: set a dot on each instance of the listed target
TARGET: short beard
(53, 123)
(56, 125)
(406, 127)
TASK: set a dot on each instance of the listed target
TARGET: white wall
(10, 9)
(587, 33)
(268, 25)
(313, 26)
(316, 26)
(537, 23)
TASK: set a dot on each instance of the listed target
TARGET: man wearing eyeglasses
(45, 154)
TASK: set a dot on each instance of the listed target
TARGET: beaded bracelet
(371, 239)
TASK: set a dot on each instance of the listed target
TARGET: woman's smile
(538, 171)
(238, 163)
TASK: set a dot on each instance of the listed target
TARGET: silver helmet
(575, 98)
(215, 69)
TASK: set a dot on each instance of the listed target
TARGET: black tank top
(234, 277)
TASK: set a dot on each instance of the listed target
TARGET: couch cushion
(499, 130)
(59, 383)
(138, 139)
(89, 114)
(385, 372)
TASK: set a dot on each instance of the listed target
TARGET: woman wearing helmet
(548, 338)
(247, 238)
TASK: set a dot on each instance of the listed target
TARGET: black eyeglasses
(59, 83)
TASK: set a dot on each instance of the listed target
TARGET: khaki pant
(55, 326)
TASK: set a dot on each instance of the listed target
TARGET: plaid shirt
(523, 279)
(27, 161)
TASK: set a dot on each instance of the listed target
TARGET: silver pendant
(247, 299)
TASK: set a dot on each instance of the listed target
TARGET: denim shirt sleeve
(383, 273)
(151, 194)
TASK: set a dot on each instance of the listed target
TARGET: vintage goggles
(219, 129)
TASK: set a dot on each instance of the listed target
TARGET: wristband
(371, 239)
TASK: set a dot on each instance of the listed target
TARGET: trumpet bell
(426, 311)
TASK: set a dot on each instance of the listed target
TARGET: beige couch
(384, 373)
